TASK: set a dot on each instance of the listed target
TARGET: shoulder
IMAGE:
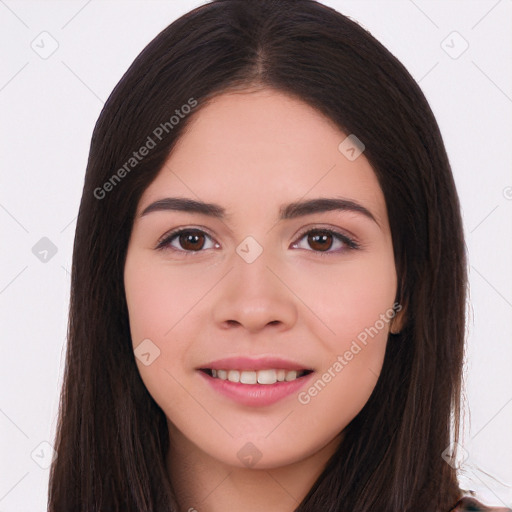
(468, 504)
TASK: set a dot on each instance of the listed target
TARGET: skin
(252, 151)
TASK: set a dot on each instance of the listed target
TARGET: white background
(48, 111)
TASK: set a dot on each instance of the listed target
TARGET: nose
(254, 296)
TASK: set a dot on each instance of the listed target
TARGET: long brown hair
(112, 437)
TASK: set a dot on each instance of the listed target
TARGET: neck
(205, 484)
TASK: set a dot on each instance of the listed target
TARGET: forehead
(262, 147)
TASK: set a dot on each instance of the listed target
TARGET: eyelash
(350, 244)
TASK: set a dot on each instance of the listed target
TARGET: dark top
(468, 504)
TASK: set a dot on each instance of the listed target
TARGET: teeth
(248, 377)
(234, 376)
(291, 376)
(257, 377)
(267, 377)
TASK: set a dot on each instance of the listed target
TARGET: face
(269, 284)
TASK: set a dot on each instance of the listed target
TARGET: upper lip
(247, 363)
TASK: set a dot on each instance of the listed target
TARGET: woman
(269, 277)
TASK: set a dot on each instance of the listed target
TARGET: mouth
(256, 381)
(239, 381)
(253, 377)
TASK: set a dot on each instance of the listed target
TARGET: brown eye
(191, 240)
(186, 241)
(325, 242)
(320, 240)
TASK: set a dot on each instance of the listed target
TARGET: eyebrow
(286, 212)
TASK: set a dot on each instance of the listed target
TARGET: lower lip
(256, 394)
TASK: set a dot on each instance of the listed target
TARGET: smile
(251, 377)
(256, 388)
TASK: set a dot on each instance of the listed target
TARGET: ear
(398, 321)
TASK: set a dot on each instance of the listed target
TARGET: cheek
(350, 297)
(158, 297)
(357, 309)
(367, 296)
(353, 305)
(162, 303)
(155, 306)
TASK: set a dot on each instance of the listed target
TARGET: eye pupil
(317, 240)
(189, 240)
